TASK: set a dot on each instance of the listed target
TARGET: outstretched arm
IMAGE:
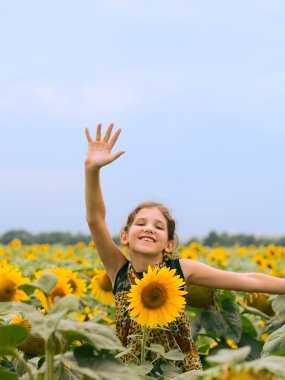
(205, 275)
(100, 154)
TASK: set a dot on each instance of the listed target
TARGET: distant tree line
(212, 239)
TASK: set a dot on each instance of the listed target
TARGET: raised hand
(100, 151)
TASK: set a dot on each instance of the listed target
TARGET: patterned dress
(176, 336)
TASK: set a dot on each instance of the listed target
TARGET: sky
(198, 88)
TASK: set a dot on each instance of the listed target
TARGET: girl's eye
(159, 227)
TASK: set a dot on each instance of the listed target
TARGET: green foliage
(11, 336)
(225, 322)
(101, 366)
(275, 344)
(45, 283)
(7, 375)
(230, 356)
(227, 240)
(99, 336)
(44, 238)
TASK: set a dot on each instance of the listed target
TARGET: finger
(118, 154)
(88, 136)
(113, 140)
(108, 133)
(98, 132)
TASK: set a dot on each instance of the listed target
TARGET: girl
(149, 236)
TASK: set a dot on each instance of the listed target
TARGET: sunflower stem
(24, 363)
(144, 340)
(48, 303)
(49, 351)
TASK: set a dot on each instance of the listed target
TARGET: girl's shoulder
(175, 264)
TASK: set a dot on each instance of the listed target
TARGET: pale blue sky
(198, 88)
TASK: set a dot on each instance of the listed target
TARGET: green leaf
(228, 356)
(12, 307)
(99, 336)
(255, 345)
(142, 369)
(45, 326)
(123, 353)
(45, 283)
(170, 370)
(222, 294)
(273, 364)
(278, 305)
(195, 374)
(100, 367)
(212, 321)
(248, 327)
(230, 313)
(12, 336)
(253, 310)
(174, 355)
(66, 304)
(275, 343)
(158, 348)
(7, 375)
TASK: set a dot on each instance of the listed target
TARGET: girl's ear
(169, 246)
(124, 237)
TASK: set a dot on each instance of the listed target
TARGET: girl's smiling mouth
(147, 238)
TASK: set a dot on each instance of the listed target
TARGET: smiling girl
(149, 235)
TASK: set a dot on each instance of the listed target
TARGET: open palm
(100, 150)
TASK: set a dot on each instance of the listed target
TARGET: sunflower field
(57, 317)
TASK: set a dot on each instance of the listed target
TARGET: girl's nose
(148, 229)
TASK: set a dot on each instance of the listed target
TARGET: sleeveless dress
(176, 336)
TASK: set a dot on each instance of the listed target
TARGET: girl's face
(148, 233)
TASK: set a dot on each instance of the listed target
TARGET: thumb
(118, 154)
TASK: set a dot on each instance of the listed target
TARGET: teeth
(147, 239)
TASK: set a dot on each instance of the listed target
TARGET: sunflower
(200, 296)
(79, 260)
(260, 301)
(87, 314)
(157, 299)
(101, 287)
(78, 285)
(16, 243)
(62, 288)
(10, 279)
(33, 345)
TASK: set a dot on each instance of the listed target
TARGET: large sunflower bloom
(157, 299)
(101, 287)
(10, 279)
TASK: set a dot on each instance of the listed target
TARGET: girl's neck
(140, 263)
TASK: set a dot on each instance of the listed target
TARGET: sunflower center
(57, 292)
(154, 295)
(7, 291)
(105, 283)
(73, 285)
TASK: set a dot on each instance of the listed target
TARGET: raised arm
(205, 275)
(100, 154)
